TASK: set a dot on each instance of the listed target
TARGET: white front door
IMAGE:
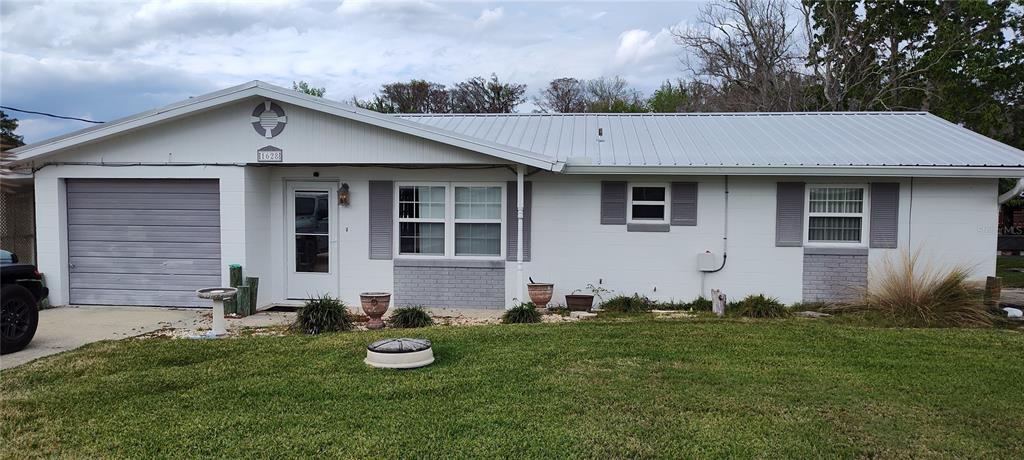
(312, 239)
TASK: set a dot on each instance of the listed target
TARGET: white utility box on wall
(706, 261)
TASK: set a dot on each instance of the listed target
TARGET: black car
(21, 290)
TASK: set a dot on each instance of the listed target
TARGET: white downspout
(1013, 192)
(520, 174)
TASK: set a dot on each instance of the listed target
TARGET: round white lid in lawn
(401, 353)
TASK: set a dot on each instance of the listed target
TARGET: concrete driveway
(67, 328)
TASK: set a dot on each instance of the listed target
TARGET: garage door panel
(162, 250)
(143, 281)
(142, 200)
(151, 186)
(145, 217)
(142, 298)
(145, 265)
(143, 233)
(143, 242)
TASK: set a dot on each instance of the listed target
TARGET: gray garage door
(142, 242)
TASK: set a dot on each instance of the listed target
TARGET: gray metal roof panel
(739, 139)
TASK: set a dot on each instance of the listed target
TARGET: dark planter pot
(579, 302)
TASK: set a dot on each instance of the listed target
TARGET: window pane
(312, 214)
(478, 239)
(478, 203)
(421, 238)
(848, 200)
(422, 202)
(648, 193)
(649, 211)
(845, 229)
(312, 254)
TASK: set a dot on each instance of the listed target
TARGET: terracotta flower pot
(540, 293)
(375, 304)
(579, 302)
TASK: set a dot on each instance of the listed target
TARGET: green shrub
(635, 303)
(323, 314)
(700, 304)
(671, 305)
(410, 317)
(522, 313)
(909, 294)
(759, 306)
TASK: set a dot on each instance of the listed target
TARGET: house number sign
(269, 154)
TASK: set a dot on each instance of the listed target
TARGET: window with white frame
(421, 219)
(477, 221)
(647, 203)
(451, 219)
(835, 214)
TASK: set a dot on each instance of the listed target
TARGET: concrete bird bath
(218, 295)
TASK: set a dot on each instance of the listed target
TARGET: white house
(315, 196)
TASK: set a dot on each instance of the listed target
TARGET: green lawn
(1010, 278)
(604, 389)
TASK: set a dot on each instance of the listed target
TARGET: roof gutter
(891, 171)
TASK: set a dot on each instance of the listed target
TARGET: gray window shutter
(789, 214)
(512, 221)
(382, 202)
(613, 203)
(684, 203)
(885, 214)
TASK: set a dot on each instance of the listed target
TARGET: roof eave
(893, 171)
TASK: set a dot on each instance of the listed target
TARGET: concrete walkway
(66, 328)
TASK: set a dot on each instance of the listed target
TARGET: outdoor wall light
(343, 195)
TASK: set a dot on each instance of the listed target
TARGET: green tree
(8, 139)
(670, 97)
(304, 87)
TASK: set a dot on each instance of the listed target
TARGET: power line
(48, 114)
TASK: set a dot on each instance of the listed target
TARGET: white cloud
(488, 17)
(113, 59)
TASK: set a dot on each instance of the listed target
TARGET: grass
(1012, 279)
(623, 388)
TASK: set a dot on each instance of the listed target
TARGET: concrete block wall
(448, 283)
(833, 275)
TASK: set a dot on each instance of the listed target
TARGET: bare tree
(563, 95)
(480, 95)
(613, 95)
(745, 50)
(415, 96)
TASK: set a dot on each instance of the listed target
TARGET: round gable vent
(268, 119)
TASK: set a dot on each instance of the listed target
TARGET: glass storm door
(312, 239)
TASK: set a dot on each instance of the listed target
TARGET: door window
(312, 228)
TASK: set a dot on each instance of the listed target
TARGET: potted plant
(540, 293)
(584, 302)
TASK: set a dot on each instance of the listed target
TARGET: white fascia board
(259, 89)
(891, 171)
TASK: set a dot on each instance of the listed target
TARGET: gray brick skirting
(450, 283)
(832, 274)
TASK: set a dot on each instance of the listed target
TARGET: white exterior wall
(953, 220)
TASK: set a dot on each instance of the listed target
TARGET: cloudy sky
(102, 60)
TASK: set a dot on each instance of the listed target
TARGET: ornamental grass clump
(910, 293)
(323, 314)
(700, 304)
(759, 306)
(410, 317)
(522, 313)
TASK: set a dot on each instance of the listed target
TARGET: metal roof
(819, 139)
